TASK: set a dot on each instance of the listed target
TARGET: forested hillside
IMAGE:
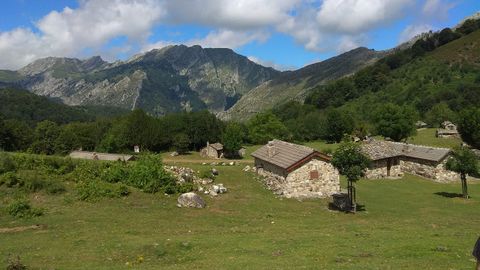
(24, 106)
(434, 80)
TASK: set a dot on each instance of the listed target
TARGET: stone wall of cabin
(298, 184)
(378, 169)
(428, 169)
(264, 168)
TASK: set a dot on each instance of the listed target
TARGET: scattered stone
(204, 163)
(213, 163)
(190, 199)
(200, 188)
(441, 249)
(214, 171)
(223, 164)
(213, 193)
(187, 177)
(174, 154)
(231, 163)
(206, 192)
(246, 169)
(221, 189)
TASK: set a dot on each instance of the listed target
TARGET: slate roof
(101, 156)
(286, 155)
(377, 150)
(422, 152)
(217, 146)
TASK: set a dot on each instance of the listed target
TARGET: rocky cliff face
(171, 79)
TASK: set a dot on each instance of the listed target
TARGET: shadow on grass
(333, 207)
(449, 194)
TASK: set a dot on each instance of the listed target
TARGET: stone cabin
(448, 129)
(212, 150)
(101, 156)
(296, 171)
(393, 159)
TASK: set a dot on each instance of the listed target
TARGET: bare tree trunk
(352, 197)
(464, 185)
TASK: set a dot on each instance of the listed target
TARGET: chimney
(270, 149)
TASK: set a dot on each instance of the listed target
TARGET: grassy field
(407, 224)
(427, 137)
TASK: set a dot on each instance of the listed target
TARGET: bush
(22, 209)
(94, 190)
(207, 174)
(7, 164)
(9, 179)
(185, 187)
(15, 264)
(54, 187)
(149, 175)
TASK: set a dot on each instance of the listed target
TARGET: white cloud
(413, 30)
(238, 15)
(272, 64)
(354, 16)
(225, 38)
(437, 9)
(71, 31)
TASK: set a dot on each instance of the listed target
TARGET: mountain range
(179, 78)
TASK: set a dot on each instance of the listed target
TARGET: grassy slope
(402, 227)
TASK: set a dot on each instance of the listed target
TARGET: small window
(313, 175)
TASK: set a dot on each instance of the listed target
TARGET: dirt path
(22, 228)
(208, 161)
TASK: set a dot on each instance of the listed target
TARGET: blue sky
(285, 34)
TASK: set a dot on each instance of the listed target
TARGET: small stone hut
(101, 156)
(296, 171)
(448, 129)
(393, 159)
(212, 150)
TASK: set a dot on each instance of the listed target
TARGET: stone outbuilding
(296, 171)
(101, 156)
(212, 150)
(448, 129)
(393, 159)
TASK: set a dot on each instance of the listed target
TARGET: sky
(284, 34)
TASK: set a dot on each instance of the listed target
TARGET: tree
(439, 113)
(45, 135)
(337, 125)
(66, 141)
(469, 126)
(233, 138)
(264, 127)
(463, 161)
(5, 135)
(395, 122)
(181, 143)
(350, 162)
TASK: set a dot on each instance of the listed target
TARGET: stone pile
(187, 175)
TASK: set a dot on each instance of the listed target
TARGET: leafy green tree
(45, 135)
(396, 122)
(469, 126)
(5, 135)
(233, 139)
(463, 161)
(352, 163)
(264, 127)
(66, 141)
(21, 135)
(337, 124)
(439, 113)
(181, 143)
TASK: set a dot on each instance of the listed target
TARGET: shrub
(185, 187)
(6, 163)
(23, 209)
(54, 187)
(149, 175)
(14, 263)
(115, 172)
(94, 190)
(9, 179)
(207, 174)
